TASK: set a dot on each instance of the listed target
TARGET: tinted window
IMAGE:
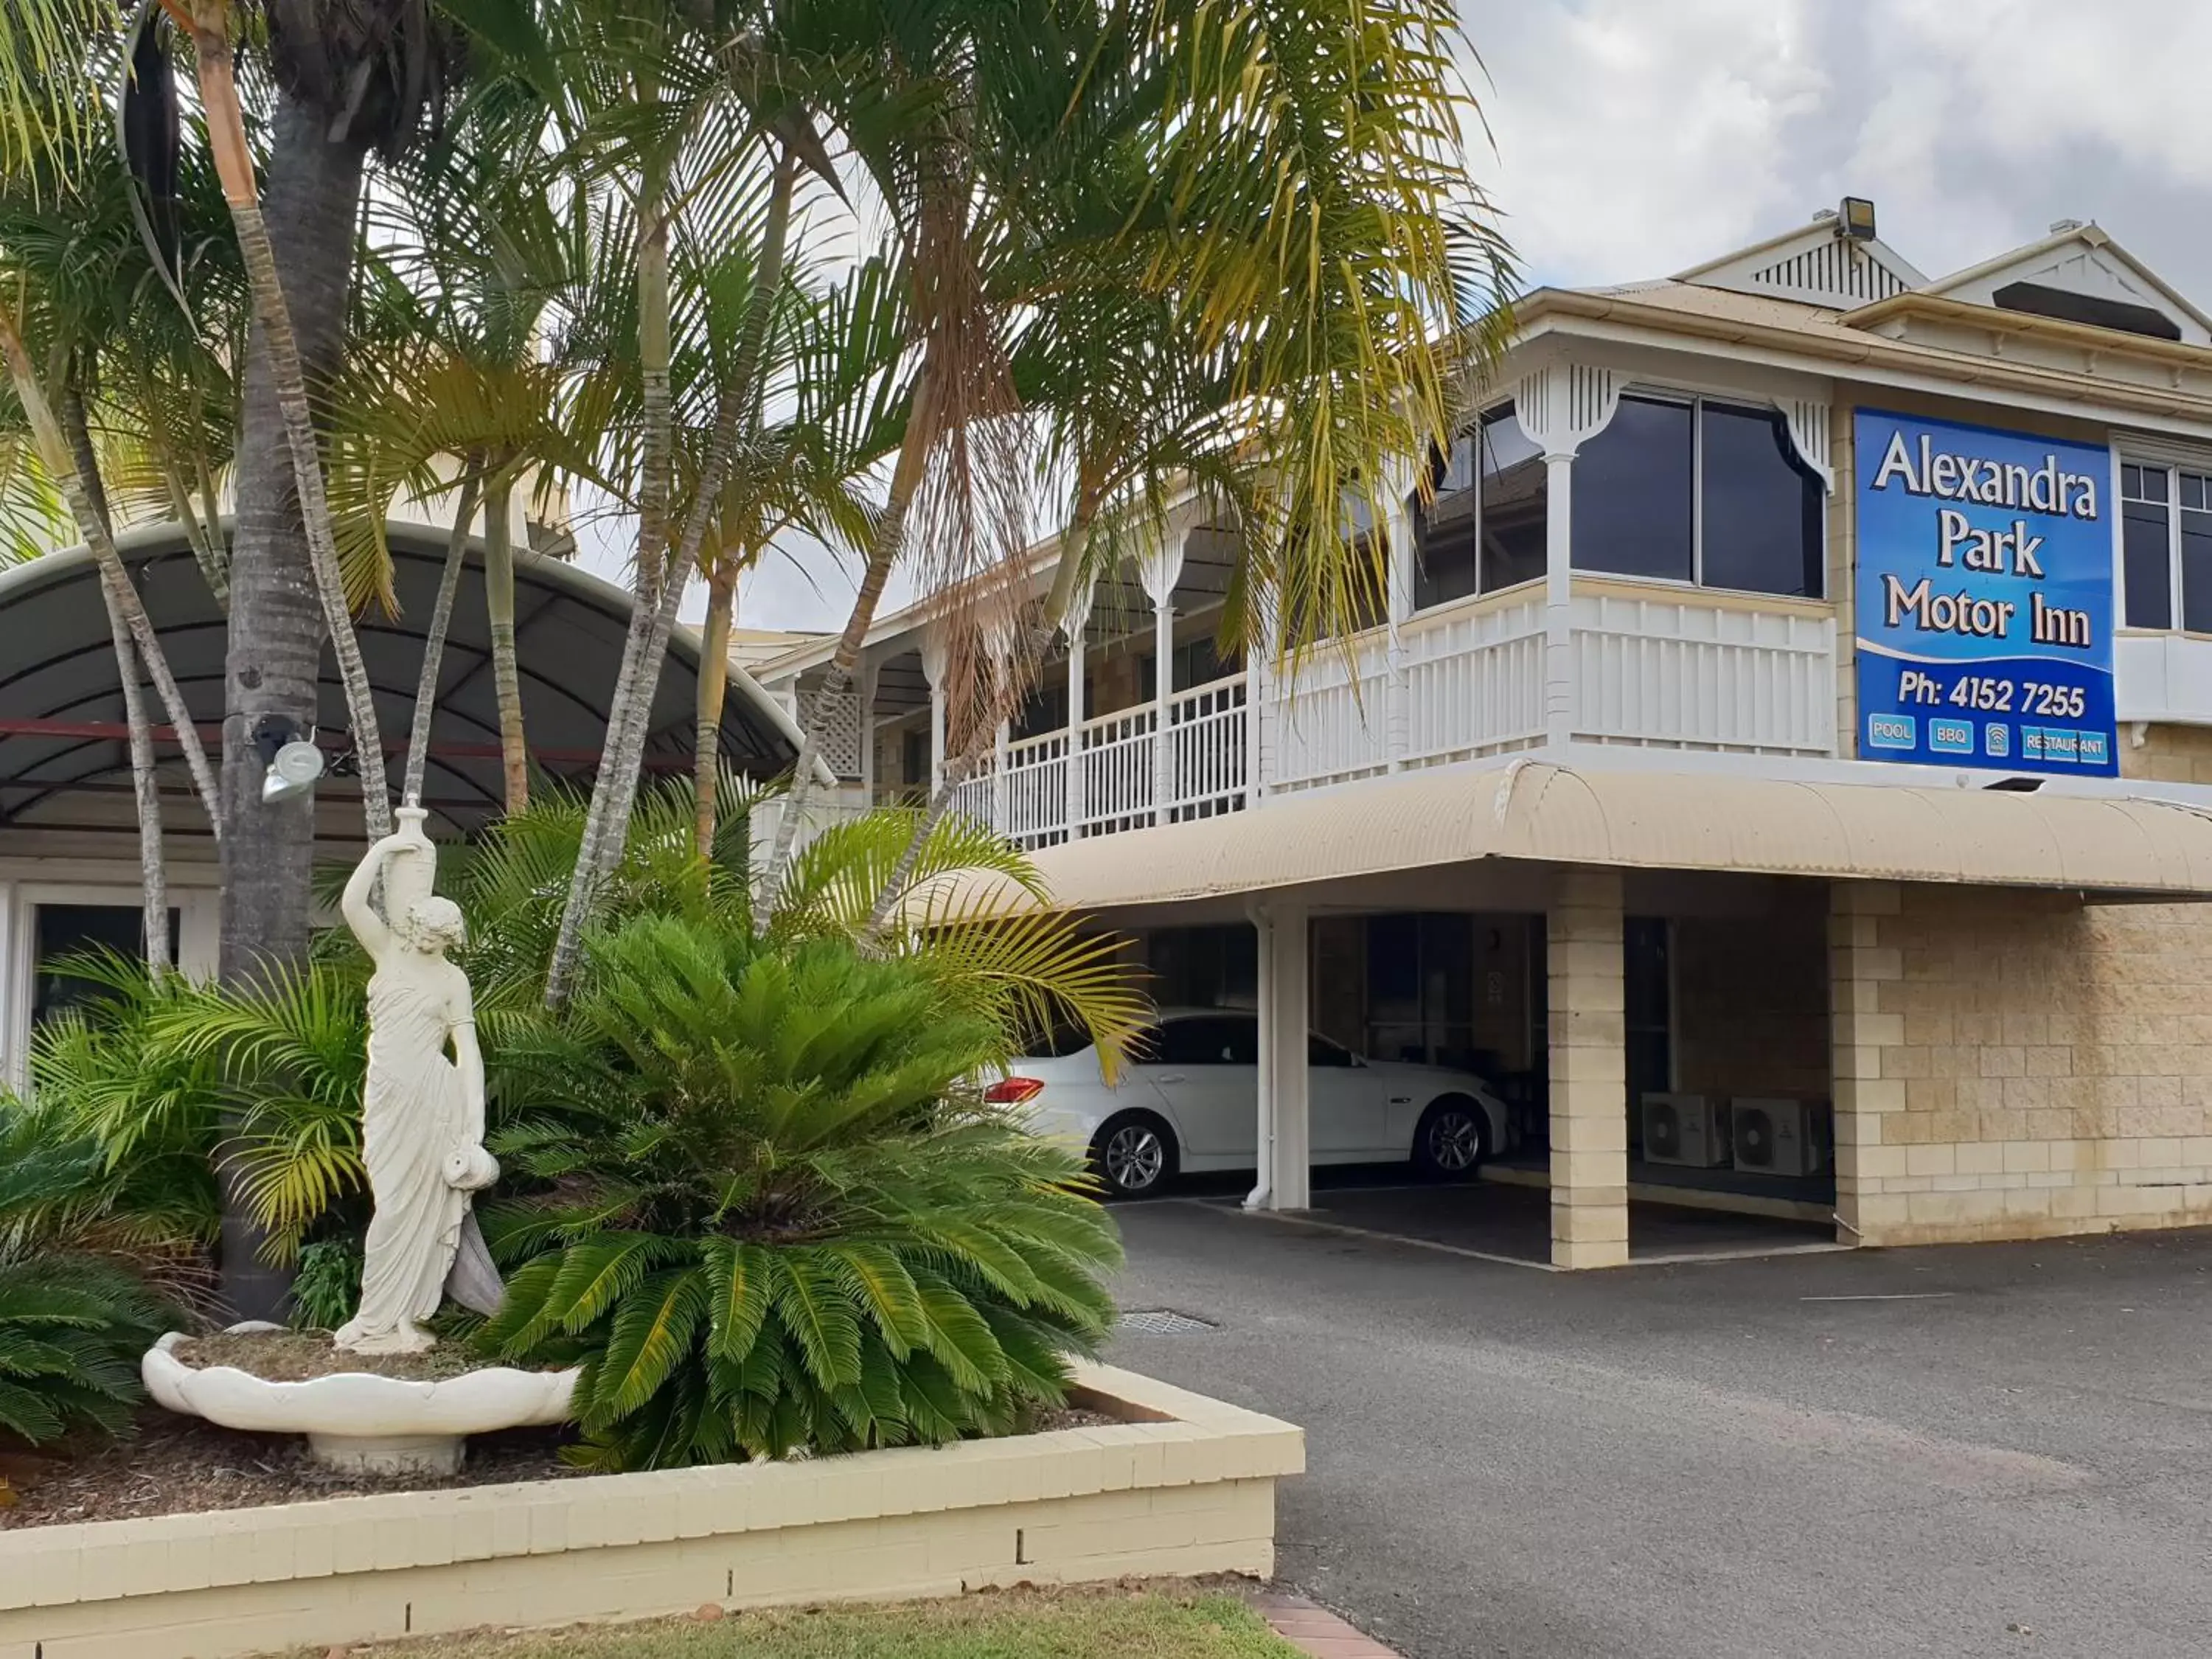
(2195, 553)
(1319, 1051)
(67, 931)
(2143, 557)
(1210, 1040)
(1761, 530)
(1633, 493)
(1484, 529)
(1513, 503)
(1444, 532)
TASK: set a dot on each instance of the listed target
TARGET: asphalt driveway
(1999, 1450)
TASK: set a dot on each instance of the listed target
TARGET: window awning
(2113, 846)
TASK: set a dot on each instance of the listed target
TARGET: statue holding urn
(423, 1111)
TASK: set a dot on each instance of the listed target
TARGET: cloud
(1633, 139)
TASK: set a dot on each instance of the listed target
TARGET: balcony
(1653, 667)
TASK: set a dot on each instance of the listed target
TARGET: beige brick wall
(1751, 999)
(1587, 1020)
(2016, 1064)
(2167, 754)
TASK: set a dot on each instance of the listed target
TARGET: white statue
(422, 1112)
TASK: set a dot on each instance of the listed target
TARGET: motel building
(1783, 774)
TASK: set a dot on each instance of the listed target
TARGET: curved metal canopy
(61, 702)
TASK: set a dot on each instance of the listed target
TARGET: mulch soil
(181, 1465)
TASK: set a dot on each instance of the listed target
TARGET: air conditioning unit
(1685, 1129)
(1781, 1137)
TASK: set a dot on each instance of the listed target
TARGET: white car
(1189, 1099)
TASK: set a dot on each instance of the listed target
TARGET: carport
(1800, 870)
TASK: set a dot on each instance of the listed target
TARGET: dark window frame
(2170, 494)
(1697, 403)
(1470, 435)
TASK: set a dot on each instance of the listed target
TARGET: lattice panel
(841, 734)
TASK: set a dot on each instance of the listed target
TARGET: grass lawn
(1111, 1623)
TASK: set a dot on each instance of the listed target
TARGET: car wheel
(1451, 1141)
(1133, 1155)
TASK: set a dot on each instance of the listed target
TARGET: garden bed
(1175, 1484)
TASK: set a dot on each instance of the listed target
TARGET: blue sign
(1984, 598)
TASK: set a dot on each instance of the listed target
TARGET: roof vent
(1822, 216)
(2060, 227)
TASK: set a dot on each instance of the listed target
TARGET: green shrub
(72, 1330)
(773, 1213)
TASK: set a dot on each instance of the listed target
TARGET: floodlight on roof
(1854, 218)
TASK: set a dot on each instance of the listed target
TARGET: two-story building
(1793, 716)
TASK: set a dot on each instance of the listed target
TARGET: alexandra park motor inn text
(1985, 598)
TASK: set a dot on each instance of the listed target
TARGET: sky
(1632, 138)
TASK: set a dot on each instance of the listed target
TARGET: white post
(935, 661)
(1398, 525)
(1286, 1139)
(1559, 599)
(1259, 691)
(1001, 796)
(1561, 408)
(1075, 718)
(1262, 1196)
(1162, 689)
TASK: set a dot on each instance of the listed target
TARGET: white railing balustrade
(1329, 723)
(1206, 728)
(1695, 674)
(1036, 792)
(1117, 770)
(1472, 680)
(1458, 683)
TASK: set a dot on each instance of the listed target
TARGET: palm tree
(1346, 352)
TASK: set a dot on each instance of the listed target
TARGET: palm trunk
(282, 361)
(657, 448)
(499, 612)
(714, 687)
(199, 536)
(145, 789)
(55, 456)
(433, 640)
(275, 639)
(606, 823)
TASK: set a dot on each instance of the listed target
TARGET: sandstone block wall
(2015, 1065)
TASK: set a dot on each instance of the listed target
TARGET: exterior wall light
(291, 761)
(1854, 219)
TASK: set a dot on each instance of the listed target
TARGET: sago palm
(775, 1213)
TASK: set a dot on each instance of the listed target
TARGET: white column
(1259, 693)
(1396, 715)
(1285, 1148)
(1559, 599)
(934, 661)
(1075, 718)
(1162, 689)
(1002, 797)
(1561, 406)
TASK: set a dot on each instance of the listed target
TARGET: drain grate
(1163, 1321)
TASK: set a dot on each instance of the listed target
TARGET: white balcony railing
(1456, 683)
(1699, 673)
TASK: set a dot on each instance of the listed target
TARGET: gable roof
(1812, 265)
(2078, 259)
